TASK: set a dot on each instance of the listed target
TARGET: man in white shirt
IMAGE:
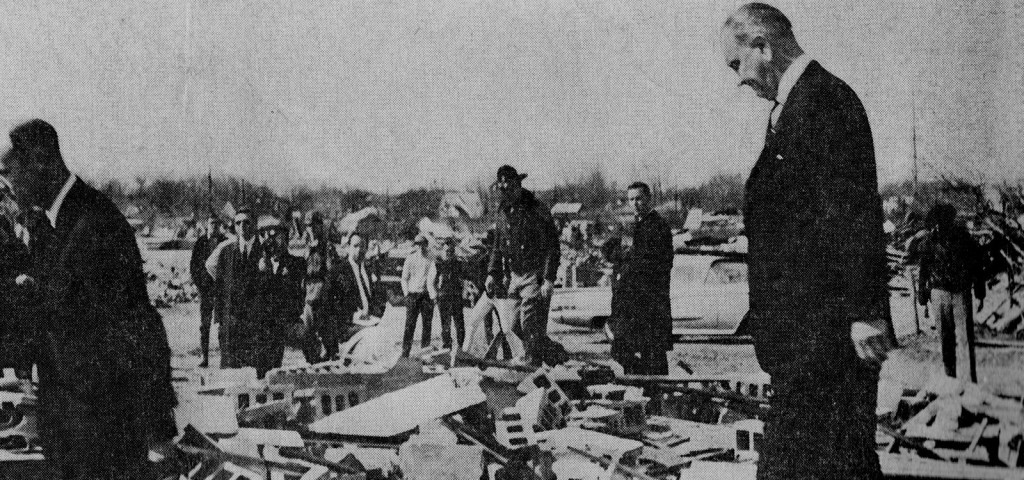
(419, 277)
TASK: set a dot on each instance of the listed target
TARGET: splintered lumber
(908, 466)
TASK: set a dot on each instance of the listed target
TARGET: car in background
(708, 294)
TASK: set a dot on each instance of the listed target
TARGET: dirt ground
(999, 369)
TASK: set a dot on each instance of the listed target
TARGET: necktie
(771, 116)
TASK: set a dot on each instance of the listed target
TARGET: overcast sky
(392, 94)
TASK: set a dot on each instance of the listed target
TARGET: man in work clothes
(526, 245)
(320, 313)
(449, 296)
(204, 283)
(951, 264)
(819, 304)
(419, 279)
(643, 331)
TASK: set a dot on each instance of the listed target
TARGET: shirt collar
(790, 77)
(51, 213)
(246, 246)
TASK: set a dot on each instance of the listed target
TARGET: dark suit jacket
(814, 222)
(231, 274)
(346, 295)
(641, 293)
(104, 361)
(273, 302)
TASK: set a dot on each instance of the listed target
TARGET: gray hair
(760, 18)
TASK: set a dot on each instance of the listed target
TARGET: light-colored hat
(267, 222)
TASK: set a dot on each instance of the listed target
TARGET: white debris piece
(400, 411)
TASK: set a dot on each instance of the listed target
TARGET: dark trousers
(822, 422)
(450, 309)
(417, 304)
(206, 304)
(321, 335)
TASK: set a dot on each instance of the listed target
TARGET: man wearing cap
(419, 276)
(525, 258)
(320, 313)
(273, 299)
(204, 283)
(230, 266)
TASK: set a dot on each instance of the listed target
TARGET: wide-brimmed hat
(508, 172)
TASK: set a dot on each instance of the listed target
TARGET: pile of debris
(168, 285)
(959, 422)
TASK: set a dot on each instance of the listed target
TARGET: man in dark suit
(643, 327)
(204, 282)
(354, 295)
(231, 265)
(819, 307)
(105, 392)
(273, 299)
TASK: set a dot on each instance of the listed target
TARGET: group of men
(819, 311)
(261, 294)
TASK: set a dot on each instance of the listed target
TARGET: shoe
(204, 364)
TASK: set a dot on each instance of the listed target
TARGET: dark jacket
(322, 266)
(231, 274)
(525, 240)
(950, 260)
(642, 289)
(197, 264)
(813, 217)
(449, 278)
(273, 302)
(15, 330)
(346, 296)
(104, 360)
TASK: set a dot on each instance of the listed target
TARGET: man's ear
(761, 44)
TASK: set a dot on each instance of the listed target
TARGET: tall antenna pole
(914, 136)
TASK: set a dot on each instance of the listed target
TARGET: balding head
(759, 45)
(34, 164)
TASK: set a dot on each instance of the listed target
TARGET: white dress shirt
(419, 275)
(51, 213)
(787, 82)
(363, 281)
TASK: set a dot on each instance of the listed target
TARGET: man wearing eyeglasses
(231, 265)
(525, 259)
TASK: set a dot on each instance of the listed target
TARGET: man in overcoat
(819, 305)
(643, 323)
(231, 266)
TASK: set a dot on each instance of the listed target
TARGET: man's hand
(489, 285)
(547, 288)
(872, 341)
